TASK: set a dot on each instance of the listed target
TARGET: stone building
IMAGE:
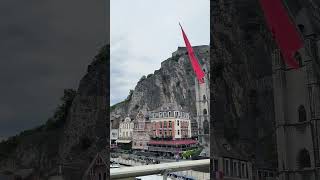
(203, 107)
(297, 101)
(194, 129)
(202, 92)
(170, 131)
(141, 132)
(125, 133)
(227, 160)
(114, 137)
(98, 167)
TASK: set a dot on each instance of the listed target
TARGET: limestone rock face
(77, 139)
(242, 89)
(172, 83)
(87, 122)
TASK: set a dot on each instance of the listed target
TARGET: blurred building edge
(20, 174)
(141, 132)
(297, 99)
(98, 168)
(227, 159)
(113, 138)
(56, 178)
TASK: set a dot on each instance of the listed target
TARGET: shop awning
(123, 141)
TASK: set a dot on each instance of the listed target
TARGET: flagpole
(293, 20)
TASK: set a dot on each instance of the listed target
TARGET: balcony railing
(167, 149)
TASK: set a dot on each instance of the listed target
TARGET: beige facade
(141, 132)
(126, 129)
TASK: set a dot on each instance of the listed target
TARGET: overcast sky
(145, 32)
(45, 47)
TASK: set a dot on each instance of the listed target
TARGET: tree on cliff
(62, 110)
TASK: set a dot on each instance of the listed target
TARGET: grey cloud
(144, 33)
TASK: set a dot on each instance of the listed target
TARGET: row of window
(232, 168)
(136, 144)
(168, 124)
(139, 126)
(170, 114)
(166, 133)
(163, 125)
(126, 134)
(263, 174)
(126, 125)
(170, 132)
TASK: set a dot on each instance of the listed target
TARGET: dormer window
(169, 113)
(160, 114)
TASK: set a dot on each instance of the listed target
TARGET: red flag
(283, 30)
(194, 62)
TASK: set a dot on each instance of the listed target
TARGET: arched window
(205, 112)
(304, 159)
(206, 127)
(302, 114)
(298, 57)
(204, 97)
(301, 28)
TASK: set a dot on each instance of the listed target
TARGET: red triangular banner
(194, 62)
(284, 31)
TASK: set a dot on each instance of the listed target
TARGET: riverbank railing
(163, 169)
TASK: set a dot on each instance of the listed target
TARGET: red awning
(173, 142)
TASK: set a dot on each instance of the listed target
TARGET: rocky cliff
(72, 137)
(172, 83)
